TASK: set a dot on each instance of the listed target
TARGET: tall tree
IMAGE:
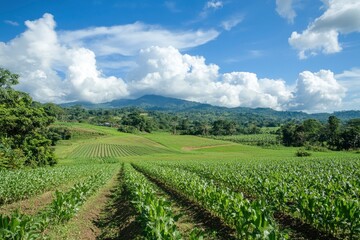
(23, 126)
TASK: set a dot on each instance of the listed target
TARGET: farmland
(112, 185)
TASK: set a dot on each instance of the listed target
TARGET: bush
(302, 153)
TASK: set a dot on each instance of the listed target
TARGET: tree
(333, 132)
(135, 121)
(22, 125)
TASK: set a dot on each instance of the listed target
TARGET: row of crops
(62, 208)
(246, 195)
(322, 193)
(24, 183)
(113, 150)
(263, 139)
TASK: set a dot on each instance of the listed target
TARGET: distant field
(263, 139)
(113, 150)
(189, 187)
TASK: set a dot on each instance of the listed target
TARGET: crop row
(155, 212)
(63, 208)
(21, 184)
(323, 193)
(251, 220)
(112, 150)
(263, 139)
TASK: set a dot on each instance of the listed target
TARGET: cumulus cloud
(350, 79)
(128, 39)
(53, 72)
(285, 9)
(166, 71)
(318, 91)
(340, 17)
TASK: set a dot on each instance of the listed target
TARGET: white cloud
(232, 22)
(214, 4)
(210, 6)
(286, 10)
(318, 91)
(12, 23)
(53, 72)
(340, 17)
(350, 79)
(129, 39)
(166, 71)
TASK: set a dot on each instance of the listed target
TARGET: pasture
(112, 185)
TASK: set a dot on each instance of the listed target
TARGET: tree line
(332, 134)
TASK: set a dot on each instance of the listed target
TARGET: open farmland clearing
(228, 189)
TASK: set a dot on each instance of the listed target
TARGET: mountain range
(168, 104)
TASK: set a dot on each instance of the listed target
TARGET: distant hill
(147, 102)
(168, 104)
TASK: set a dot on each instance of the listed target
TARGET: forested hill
(167, 104)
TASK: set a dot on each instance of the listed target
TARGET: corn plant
(251, 220)
(21, 184)
(154, 212)
(63, 208)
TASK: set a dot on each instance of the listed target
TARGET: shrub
(302, 153)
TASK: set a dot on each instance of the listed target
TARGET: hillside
(167, 104)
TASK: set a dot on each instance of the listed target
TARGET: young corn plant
(251, 220)
(154, 212)
(63, 208)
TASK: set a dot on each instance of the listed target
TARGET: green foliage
(24, 183)
(264, 139)
(302, 153)
(332, 135)
(154, 212)
(22, 125)
(251, 220)
(322, 193)
(102, 150)
(63, 208)
(135, 121)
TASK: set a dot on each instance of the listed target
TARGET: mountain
(146, 102)
(168, 104)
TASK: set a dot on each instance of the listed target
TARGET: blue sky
(284, 54)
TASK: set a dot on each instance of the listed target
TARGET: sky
(301, 55)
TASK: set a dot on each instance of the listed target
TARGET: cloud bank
(322, 35)
(51, 71)
(53, 68)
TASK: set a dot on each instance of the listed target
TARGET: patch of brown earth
(118, 218)
(29, 206)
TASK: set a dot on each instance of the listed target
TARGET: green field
(112, 185)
